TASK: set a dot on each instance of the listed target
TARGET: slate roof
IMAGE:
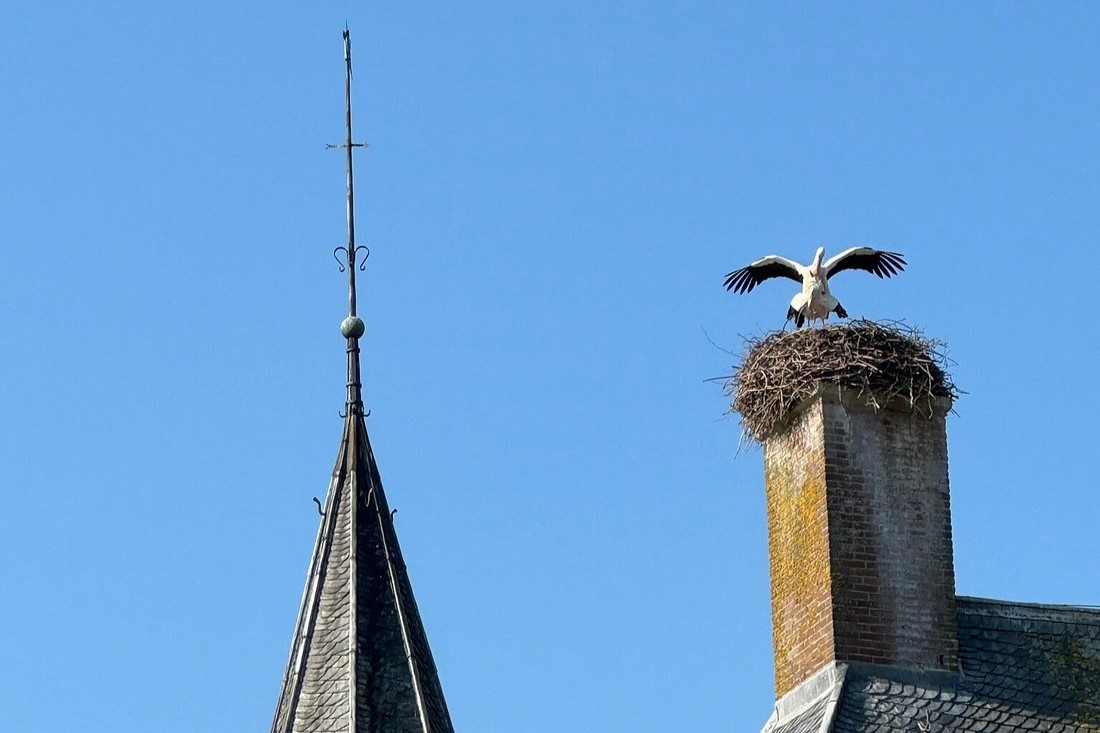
(359, 660)
(1023, 667)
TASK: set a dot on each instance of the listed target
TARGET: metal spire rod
(353, 326)
(348, 145)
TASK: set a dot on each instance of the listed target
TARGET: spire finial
(352, 327)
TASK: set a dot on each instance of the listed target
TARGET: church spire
(359, 659)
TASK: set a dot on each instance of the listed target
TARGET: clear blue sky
(553, 194)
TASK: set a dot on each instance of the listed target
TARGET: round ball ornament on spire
(352, 327)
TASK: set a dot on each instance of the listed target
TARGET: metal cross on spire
(352, 327)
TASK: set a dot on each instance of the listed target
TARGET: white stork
(815, 302)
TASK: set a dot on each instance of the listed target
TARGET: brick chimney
(859, 536)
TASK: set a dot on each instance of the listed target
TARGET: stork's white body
(814, 303)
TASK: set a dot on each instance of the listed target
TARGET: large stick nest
(884, 363)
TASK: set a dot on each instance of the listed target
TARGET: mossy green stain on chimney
(799, 560)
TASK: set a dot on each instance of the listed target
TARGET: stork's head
(815, 267)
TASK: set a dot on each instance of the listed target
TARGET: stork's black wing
(883, 264)
(747, 278)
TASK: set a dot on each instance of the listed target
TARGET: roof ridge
(1082, 615)
(1032, 604)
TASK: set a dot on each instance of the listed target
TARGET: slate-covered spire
(359, 660)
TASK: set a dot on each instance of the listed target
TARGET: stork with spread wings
(815, 302)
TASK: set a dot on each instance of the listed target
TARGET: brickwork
(798, 547)
(860, 539)
(890, 534)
